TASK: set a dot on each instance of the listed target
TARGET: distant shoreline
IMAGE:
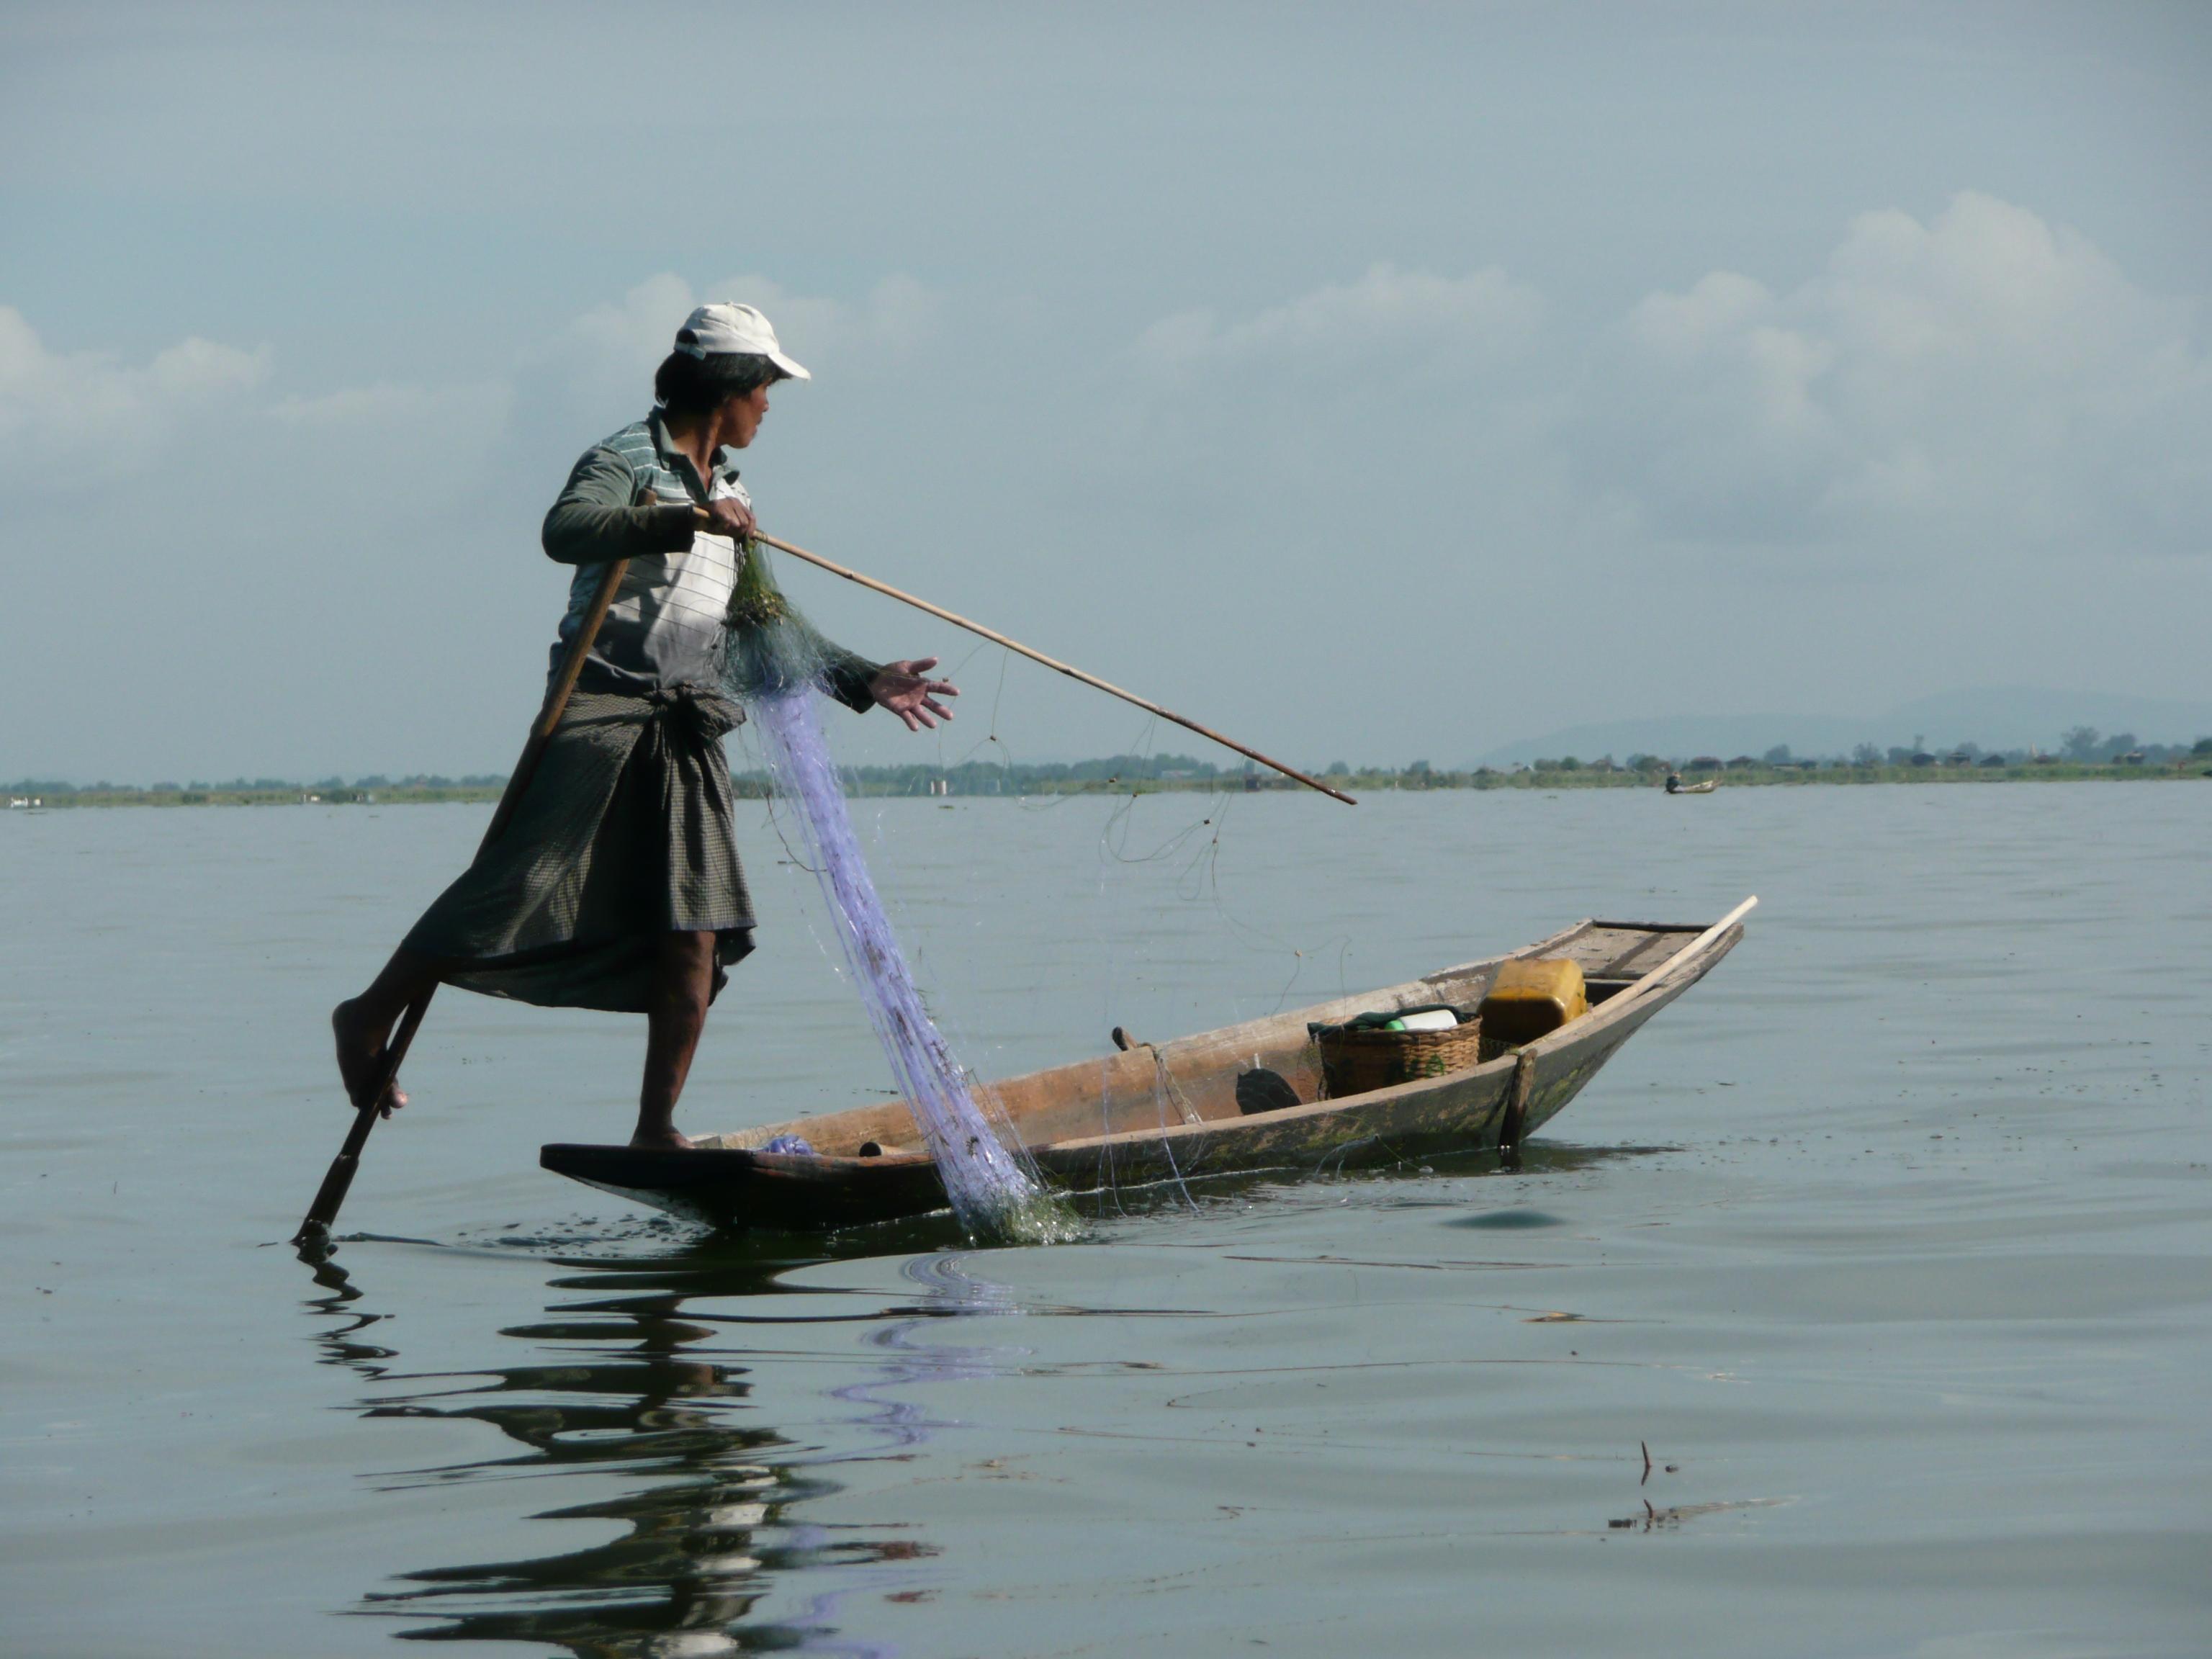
(971, 782)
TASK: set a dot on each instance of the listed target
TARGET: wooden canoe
(1153, 1116)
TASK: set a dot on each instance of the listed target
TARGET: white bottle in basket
(1433, 1019)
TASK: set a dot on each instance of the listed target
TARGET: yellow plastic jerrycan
(1529, 999)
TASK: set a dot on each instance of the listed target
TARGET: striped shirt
(631, 496)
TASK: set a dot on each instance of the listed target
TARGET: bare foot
(668, 1140)
(360, 1054)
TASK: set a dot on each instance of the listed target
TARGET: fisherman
(1673, 781)
(616, 885)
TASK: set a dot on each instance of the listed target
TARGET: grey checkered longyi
(623, 834)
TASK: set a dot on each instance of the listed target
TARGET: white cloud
(601, 364)
(1388, 321)
(390, 457)
(1984, 369)
(631, 335)
(386, 453)
(385, 406)
(202, 393)
(898, 315)
(51, 401)
(631, 332)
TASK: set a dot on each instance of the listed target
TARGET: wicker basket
(1356, 1060)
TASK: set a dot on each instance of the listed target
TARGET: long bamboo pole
(315, 1230)
(1053, 663)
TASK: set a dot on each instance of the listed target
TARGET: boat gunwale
(1636, 998)
(1611, 1011)
(1240, 1031)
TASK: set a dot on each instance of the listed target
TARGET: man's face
(741, 417)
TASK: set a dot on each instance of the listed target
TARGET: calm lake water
(1893, 1241)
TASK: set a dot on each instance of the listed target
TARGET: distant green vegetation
(2083, 754)
(255, 792)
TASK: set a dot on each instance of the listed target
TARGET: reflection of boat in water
(699, 1487)
(1171, 1114)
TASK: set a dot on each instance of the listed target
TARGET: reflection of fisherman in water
(703, 1499)
(694, 1490)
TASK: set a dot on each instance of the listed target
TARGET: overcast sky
(1371, 383)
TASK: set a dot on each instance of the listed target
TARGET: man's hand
(726, 515)
(905, 689)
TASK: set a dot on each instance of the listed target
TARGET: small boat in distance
(1160, 1115)
(1676, 787)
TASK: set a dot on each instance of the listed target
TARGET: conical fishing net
(776, 664)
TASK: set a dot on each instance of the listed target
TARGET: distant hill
(1996, 717)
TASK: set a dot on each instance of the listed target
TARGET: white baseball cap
(729, 327)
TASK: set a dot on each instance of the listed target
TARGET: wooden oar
(315, 1230)
(1053, 663)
